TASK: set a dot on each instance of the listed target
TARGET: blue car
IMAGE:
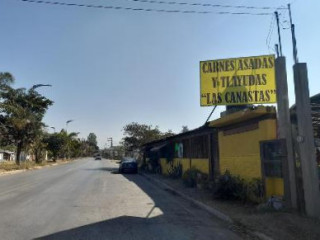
(128, 165)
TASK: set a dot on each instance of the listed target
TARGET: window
(273, 153)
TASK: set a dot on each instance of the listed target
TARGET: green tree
(55, 144)
(68, 138)
(6, 79)
(184, 129)
(21, 114)
(92, 140)
(135, 135)
(76, 148)
(63, 144)
(169, 133)
(38, 146)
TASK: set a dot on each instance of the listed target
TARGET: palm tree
(21, 114)
(68, 138)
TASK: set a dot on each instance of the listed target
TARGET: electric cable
(111, 7)
(205, 4)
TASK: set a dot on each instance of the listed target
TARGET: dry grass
(11, 166)
(6, 166)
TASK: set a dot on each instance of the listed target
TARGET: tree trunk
(19, 149)
(37, 156)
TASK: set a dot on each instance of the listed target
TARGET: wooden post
(191, 153)
(215, 142)
(284, 132)
(210, 158)
(306, 144)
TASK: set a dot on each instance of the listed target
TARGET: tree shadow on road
(173, 220)
(125, 227)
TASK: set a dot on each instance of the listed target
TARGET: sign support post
(285, 132)
(306, 143)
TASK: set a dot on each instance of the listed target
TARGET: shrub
(255, 191)
(153, 162)
(228, 187)
(203, 181)
(175, 171)
(190, 177)
(150, 165)
(9, 166)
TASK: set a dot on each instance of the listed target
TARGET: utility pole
(276, 47)
(305, 139)
(111, 146)
(285, 132)
(111, 141)
(294, 40)
(279, 34)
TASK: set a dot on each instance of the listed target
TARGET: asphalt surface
(85, 199)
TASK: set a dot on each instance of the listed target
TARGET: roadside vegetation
(224, 187)
(6, 166)
(135, 135)
(23, 131)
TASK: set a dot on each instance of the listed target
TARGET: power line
(111, 7)
(206, 5)
(271, 28)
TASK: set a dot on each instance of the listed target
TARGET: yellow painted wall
(201, 164)
(163, 164)
(240, 153)
(185, 162)
(274, 187)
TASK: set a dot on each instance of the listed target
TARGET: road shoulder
(33, 167)
(260, 223)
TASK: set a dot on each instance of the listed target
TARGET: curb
(203, 206)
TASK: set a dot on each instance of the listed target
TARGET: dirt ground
(280, 225)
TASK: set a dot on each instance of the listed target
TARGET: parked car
(127, 159)
(128, 165)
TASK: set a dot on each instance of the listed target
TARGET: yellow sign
(238, 81)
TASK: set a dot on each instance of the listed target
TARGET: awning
(157, 148)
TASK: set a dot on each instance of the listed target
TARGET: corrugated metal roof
(199, 129)
(157, 148)
(242, 116)
(6, 151)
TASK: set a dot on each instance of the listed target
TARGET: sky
(111, 67)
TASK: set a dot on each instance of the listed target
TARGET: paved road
(85, 200)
